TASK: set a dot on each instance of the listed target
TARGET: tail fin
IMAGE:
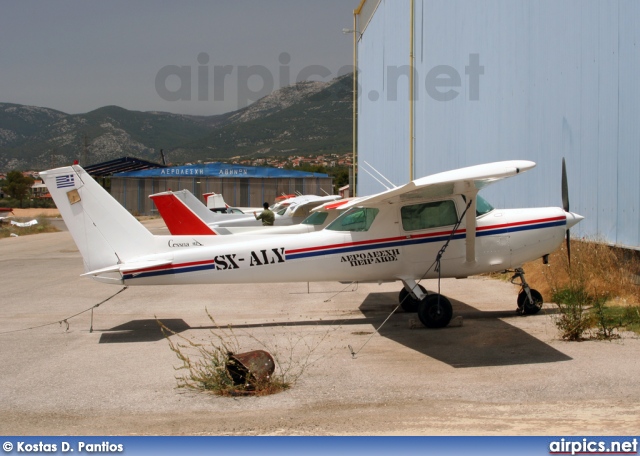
(180, 218)
(105, 232)
(213, 200)
(197, 206)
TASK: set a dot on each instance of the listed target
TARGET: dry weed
(206, 364)
(603, 271)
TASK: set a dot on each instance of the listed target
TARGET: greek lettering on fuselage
(379, 256)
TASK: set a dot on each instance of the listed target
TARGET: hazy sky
(147, 55)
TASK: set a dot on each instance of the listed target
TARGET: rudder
(104, 231)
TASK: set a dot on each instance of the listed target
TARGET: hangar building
(244, 186)
(444, 84)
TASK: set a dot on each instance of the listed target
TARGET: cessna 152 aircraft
(184, 214)
(4, 212)
(436, 226)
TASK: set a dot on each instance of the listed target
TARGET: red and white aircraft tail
(180, 218)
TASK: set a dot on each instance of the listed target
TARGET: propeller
(565, 205)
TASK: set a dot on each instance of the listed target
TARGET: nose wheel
(435, 311)
(529, 300)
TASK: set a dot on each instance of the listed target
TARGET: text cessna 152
(436, 226)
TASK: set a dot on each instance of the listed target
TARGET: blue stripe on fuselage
(418, 241)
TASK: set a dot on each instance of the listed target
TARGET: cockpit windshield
(482, 206)
(355, 219)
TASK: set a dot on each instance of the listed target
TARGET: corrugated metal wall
(383, 86)
(554, 78)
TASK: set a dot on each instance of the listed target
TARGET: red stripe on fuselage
(422, 236)
(528, 222)
(170, 266)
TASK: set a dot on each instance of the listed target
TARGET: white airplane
(183, 213)
(4, 213)
(216, 203)
(432, 227)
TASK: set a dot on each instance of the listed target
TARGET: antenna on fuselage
(377, 180)
(381, 175)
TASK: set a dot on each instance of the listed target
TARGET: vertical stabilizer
(105, 232)
(197, 206)
(179, 218)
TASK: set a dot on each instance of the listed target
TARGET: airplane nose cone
(573, 219)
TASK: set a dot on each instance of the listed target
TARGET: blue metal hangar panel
(508, 79)
(244, 186)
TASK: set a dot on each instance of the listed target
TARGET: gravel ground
(497, 374)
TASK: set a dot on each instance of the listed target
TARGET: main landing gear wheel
(408, 302)
(528, 307)
(435, 311)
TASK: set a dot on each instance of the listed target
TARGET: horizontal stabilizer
(127, 267)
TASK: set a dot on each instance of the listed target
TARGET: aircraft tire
(529, 308)
(409, 303)
(433, 314)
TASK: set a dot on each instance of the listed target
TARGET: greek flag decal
(65, 181)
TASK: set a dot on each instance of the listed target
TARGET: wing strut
(471, 227)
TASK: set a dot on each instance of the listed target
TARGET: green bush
(574, 319)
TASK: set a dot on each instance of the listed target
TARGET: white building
(507, 79)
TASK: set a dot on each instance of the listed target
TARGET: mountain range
(305, 118)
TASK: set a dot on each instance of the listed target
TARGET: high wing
(464, 181)
(301, 209)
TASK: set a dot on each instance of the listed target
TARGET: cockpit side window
(355, 219)
(316, 218)
(482, 205)
(428, 215)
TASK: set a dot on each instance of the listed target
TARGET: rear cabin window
(429, 215)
